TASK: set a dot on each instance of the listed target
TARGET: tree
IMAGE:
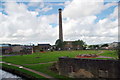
(91, 46)
(59, 44)
(79, 43)
(105, 45)
(64, 43)
(94, 46)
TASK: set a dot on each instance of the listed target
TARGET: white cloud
(46, 9)
(115, 14)
(36, 4)
(80, 23)
(22, 25)
(81, 8)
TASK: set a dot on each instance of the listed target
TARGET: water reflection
(4, 74)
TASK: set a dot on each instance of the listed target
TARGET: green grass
(45, 68)
(44, 57)
(110, 53)
(52, 56)
(22, 70)
(0, 57)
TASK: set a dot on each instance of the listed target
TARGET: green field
(21, 70)
(52, 56)
(110, 54)
(45, 68)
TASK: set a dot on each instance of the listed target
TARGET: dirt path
(100, 52)
(104, 57)
(40, 63)
(31, 70)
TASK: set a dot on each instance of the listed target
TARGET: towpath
(41, 63)
(31, 70)
(100, 52)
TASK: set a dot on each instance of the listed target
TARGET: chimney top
(60, 9)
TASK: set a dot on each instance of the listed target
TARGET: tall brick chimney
(60, 25)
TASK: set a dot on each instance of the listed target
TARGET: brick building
(69, 46)
(41, 47)
(5, 49)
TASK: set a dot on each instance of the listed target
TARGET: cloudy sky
(36, 21)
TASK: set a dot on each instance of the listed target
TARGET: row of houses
(23, 49)
(69, 46)
(27, 49)
(113, 45)
(42, 47)
(16, 48)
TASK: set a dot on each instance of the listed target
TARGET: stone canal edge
(31, 70)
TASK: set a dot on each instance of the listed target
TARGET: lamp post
(31, 45)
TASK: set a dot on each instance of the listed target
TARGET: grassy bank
(111, 53)
(52, 56)
(22, 71)
(49, 56)
(45, 68)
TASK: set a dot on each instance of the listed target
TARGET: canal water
(8, 76)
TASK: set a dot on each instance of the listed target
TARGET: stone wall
(88, 68)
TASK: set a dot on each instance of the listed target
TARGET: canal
(6, 75)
